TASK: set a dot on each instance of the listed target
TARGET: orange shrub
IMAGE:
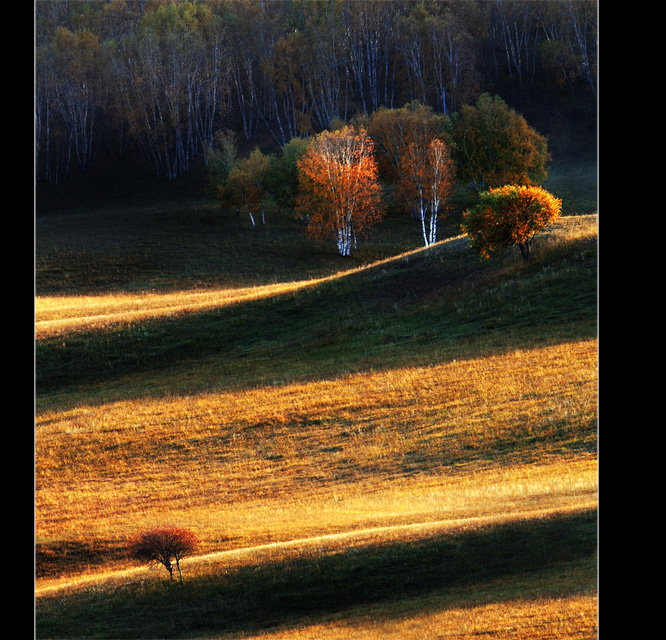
(508, 216)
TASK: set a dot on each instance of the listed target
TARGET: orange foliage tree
(163, 545)
(392, 130)
(339, 192)
(508, 216)
(426, 182)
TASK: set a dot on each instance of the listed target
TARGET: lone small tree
(246, 183)
(508, 216)
(163, 545)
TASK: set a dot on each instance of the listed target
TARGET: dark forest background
(129, 94)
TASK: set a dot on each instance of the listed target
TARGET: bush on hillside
(509, 216)
(163, 545)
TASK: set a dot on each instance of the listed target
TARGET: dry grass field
(403, 448)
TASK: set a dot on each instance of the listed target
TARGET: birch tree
(426, 182)
(367, 29)
(339, 190)
(244, 27)
(171, 75)
(514, 30)
(392, 130)
(412, 39)
(570, 46)
(69, 99)
(51, 147)
(246, 180)
(454, 56)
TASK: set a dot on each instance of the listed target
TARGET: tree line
(158, 78)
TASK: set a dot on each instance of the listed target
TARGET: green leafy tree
(245, 183)
(221, 156)
(494, 146)
(281, 179)
(509, 216)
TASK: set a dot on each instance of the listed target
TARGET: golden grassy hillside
(403, 449)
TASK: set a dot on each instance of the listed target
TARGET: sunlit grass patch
(343, 449)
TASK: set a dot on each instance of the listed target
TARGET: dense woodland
(149, 83)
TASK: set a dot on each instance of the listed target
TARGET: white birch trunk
(423, 227)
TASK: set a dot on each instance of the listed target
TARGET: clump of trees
(394, 129)
(166, 80)
(163, 545)
(338, 181)
(414, 155)
(509, 216)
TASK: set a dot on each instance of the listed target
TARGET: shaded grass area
(424, 308)
(274, 591)
(574, 181)
(171, 247)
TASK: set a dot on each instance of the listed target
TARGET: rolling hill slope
(437, 412)
(425, 304)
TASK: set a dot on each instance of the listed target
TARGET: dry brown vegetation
(382, 458)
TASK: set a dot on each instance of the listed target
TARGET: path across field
(375, 535)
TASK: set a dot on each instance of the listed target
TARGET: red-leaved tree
(339, 192)
(163, 545)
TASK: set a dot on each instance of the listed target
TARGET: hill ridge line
(210, 299)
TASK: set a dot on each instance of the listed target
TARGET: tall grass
(366, 430)
(328, 589)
